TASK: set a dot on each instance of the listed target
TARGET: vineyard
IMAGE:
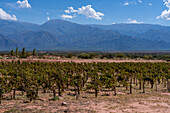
(56, 78)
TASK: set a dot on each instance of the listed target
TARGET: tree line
(91, 55)
(32, 77)
(22, 54)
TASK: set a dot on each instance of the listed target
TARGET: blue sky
(87, 11)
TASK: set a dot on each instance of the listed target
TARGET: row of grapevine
(32, 77)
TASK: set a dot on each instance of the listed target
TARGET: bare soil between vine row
(150, 102)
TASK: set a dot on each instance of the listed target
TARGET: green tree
(23, 51)
(16, 52)
(12, 52)
(34, 53)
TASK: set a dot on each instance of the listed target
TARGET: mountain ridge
(6, 44)
(64, 35)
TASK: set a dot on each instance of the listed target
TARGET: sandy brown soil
(143, 103)
(150, 102)
(81, 60)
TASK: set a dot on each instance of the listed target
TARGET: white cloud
(67, 16)
(126, 3)
(167, 3)
(166, 13)
(67, 11)
(134, 21)
(48, 18)
(88, 11)
(24, 4)
(72, 10)
(158, 17)
(134, 2)
(140, 1)
(150, 4)
(6, 16)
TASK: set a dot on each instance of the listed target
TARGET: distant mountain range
(6, 44)
(62, 35)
